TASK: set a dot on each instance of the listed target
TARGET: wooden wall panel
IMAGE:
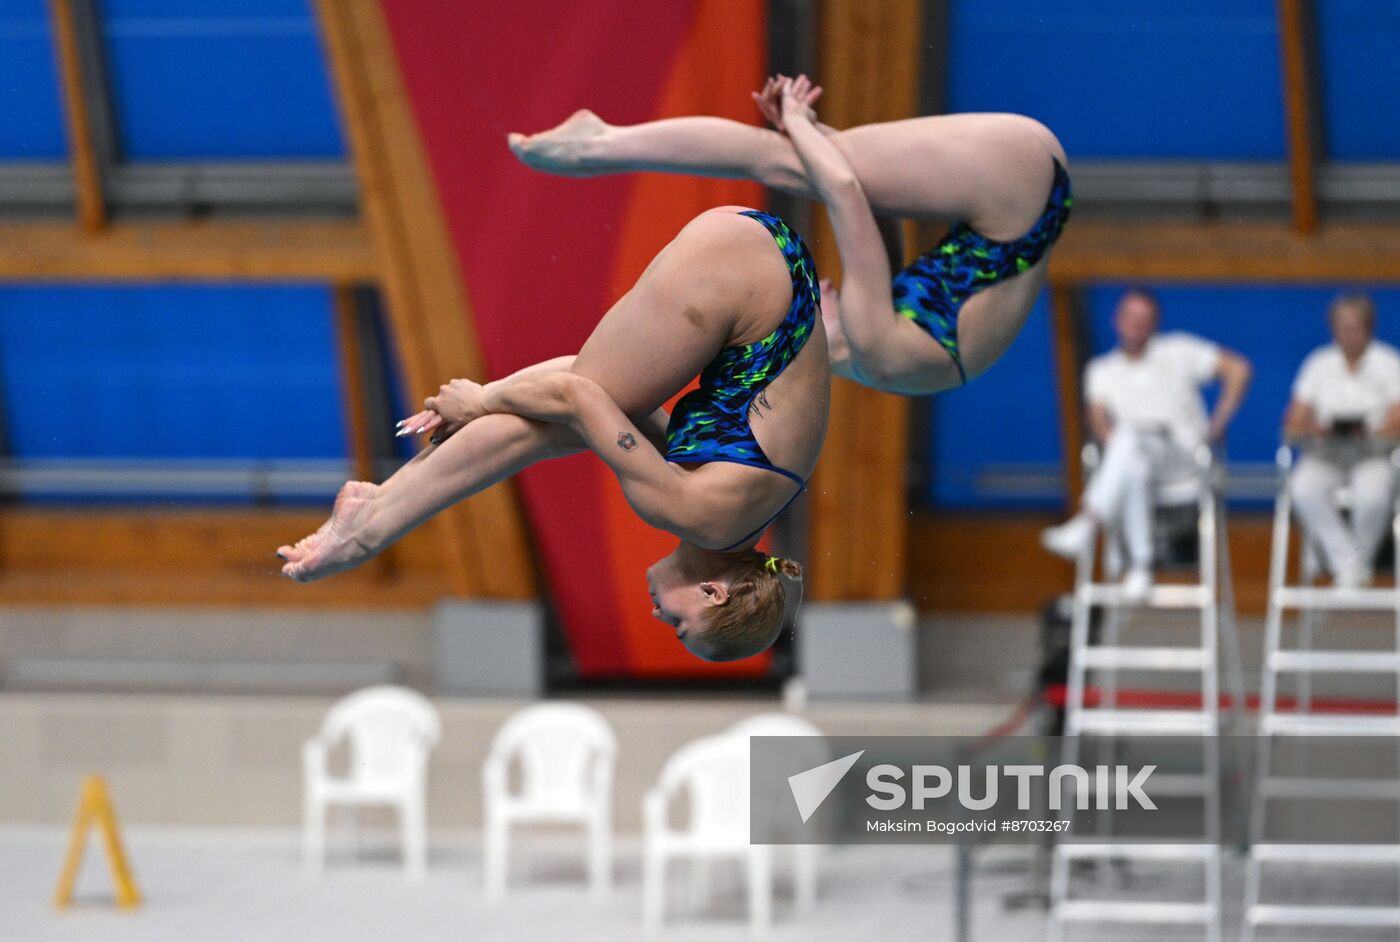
(868, 55)
(196, 557)
(988, 562)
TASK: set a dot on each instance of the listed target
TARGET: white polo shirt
(1160, 388)
(1335, 392)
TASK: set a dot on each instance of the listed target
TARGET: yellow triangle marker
(95, 807)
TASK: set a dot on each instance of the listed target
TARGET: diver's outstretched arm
(368, 518)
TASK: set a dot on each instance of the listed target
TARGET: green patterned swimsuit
(933, 289)
(712, 423)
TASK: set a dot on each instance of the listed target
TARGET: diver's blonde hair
(751, 618)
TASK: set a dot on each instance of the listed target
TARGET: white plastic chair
(713, 773)
(804, 855)
(566, 753)
(391, 731)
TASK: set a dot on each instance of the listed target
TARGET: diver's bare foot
(565, 149)
(340, 543)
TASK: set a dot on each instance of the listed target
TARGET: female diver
(732, 457)
(940, 321)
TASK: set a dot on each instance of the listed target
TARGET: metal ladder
(1312, 602)
(1213, 596)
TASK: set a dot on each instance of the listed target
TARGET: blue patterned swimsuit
(933, 289)
(712, 423)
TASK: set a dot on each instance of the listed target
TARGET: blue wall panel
(219, 79)
(1126, 78)
(170, 372)
(1358, 42)
(1007, 416)
(31, 117)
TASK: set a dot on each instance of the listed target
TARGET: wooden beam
(1097, 250)
(195, 558)
(1069, 362)
(187, 251)
(868, 51)
(82, 150)
(484, 540)
(1295, 28)
(993, 562)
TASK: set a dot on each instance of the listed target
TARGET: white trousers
(1120, 494)
(1313, 486)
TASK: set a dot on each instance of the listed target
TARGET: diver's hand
(797, 97)
(770, 99)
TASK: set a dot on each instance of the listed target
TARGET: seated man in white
(1145, 408)
(1346, 407)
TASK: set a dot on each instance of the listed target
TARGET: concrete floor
(241, 886)
(208, 787)
(213, 886)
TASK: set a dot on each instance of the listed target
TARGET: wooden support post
(82, 149)
(353, 380)
(1069, 362)
(869, 54)
(1295, 27)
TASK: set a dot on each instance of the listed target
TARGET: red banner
(544, 257)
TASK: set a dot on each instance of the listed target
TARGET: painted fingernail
(400, 423)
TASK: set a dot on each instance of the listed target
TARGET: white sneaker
(1071, 538)
(1137, 586)
(1355, 576)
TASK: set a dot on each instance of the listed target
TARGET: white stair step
(1161, 596)
(1123, 911)
(1146, 722)
(1170, 785)
(1382, 854)
(1337, 662)
(1330, 724)
(1177, 784)
(1153, 659)
(1358, 599)
(1357, 788)
(1271, 915)
(1097, 850)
